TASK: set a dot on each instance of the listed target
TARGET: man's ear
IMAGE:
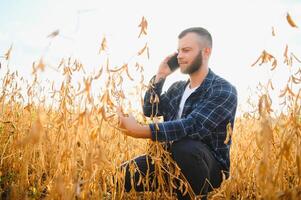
(207, 51)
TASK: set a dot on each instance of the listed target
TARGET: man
(196, 114)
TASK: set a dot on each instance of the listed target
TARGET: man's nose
(179, 55)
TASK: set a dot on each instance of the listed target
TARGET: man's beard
(195, 65)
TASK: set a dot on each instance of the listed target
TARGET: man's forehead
(189, 40)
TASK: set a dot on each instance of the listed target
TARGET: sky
(241, 30)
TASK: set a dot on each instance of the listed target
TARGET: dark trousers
(195, 161)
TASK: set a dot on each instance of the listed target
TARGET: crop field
(62, 141)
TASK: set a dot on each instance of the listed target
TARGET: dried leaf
(290, 21)
(295, 80)
(142, 50)
(265, 57)
(61, 63)
(264, 105)
(118, 69)
(8, 53)
(143, 26)
(147, 51)
(293, 55)
(34, 69)
(256, 61)
(41, 65)
(270, 84)
(273, 31)
(103, 46)
(229, 133)
(54, 34)
(93, 133)
(99, 74)
(283, 92)
(285, 52)
(274, 65)
(128, 74)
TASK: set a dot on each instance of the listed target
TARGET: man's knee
(184, 151)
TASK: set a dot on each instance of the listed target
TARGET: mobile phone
(173, 63)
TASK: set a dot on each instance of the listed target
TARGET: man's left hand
(134, 129)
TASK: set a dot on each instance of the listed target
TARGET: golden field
(64, 143)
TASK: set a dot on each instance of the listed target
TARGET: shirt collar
(207, 82)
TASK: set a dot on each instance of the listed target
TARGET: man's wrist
(159, 77)
(140, 131)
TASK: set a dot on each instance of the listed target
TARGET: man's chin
(183, 69)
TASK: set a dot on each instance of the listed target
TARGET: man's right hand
(164, 69)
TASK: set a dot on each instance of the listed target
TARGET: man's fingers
(169, 56)
(122, 118)
(119, 111)
(130, 116)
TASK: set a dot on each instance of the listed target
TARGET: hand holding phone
(173, 63)
(164, 71)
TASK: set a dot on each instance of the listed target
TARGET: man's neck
(198, 77)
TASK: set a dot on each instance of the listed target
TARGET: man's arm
(153, 93)
(129, 123)
(202, 120)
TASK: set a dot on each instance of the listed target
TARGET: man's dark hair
(203, 33)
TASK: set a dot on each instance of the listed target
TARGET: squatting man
(196, 113)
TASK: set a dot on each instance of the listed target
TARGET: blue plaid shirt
(206, 113)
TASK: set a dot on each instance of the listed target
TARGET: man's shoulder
(178, 84)
(220, 81)
(221, 84)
